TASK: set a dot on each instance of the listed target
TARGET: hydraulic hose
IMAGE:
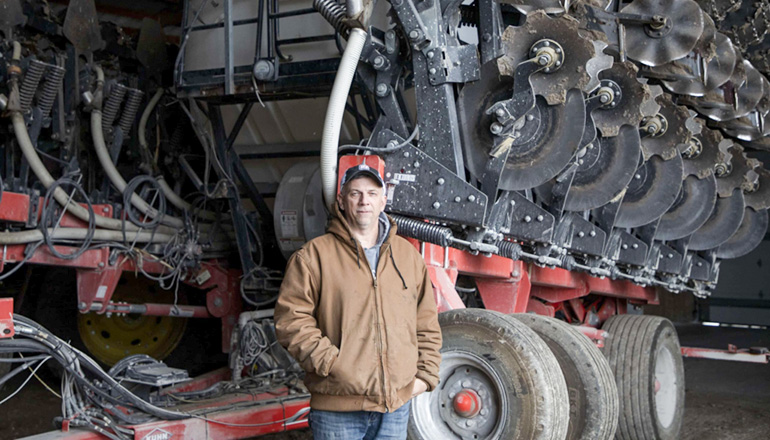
(336, 111)
(35, 235)
(40, 171)
(171, 196)
(112, 173)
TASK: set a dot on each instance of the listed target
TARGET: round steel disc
(533, 162)
(720, 68)
(606, 170)
(702, 165)
(723, 222)
(634, 94)
(687, 70)
(676, 134)
(686, 27)
(760, 198)
(691, 209)
(748, 236)
(718, 103)
(553, 85)
(750, 93)
(652, 191)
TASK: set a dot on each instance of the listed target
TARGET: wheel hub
(467, 403)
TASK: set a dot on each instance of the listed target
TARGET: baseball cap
(362, 170)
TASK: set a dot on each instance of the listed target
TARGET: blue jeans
(359, 425)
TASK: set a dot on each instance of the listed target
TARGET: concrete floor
(724, 400)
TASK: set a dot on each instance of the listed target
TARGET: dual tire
(539, 378)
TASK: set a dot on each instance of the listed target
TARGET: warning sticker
(289, 223)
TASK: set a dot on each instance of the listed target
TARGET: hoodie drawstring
(397, 271)
(358, 253)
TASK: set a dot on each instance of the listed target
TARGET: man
(356, 310)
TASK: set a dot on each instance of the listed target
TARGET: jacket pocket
(356, 369)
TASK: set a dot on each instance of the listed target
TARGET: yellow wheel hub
(110, 339)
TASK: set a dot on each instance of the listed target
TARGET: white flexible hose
(114, 175)
(171, 196)
(335, 112)
(35, 235)
(40, 171)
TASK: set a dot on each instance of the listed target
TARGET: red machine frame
(504, 285)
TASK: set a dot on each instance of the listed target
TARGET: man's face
(362, 200)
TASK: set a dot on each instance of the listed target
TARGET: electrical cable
(156, 216)
(406, 142)
(48, 210)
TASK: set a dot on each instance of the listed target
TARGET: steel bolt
(101, 264)
(540, 218)
(670, 255)
(500, 112)
(432, 71)
(530, 117)
(414, 34)
(700, 263)
(430, 54)
(218, 302)
(486, 37)
(394, 144)
(625, 246)
(483, 411)
(543, 60)
(637, 176)
(471, 198)
(496, 128)
(382, 90)
(635, 246)
(458, 199)
(440, 181)
(406, 154)
(581, 234)
(592, 233)
(436, 205)
(82, 305)
(416, 164)
(379, 61)
(527, 219)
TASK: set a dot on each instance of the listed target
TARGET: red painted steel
(731, 354)
(594, 334)
(7, 329)
(14, 207)
(346, 162)
(540, 308)
(505, 296)
(444, 289)
(201, 382)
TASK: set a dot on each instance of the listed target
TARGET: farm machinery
(554, 162)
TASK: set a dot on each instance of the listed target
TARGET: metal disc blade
(633, 97)
(551, 147)
(750, 93)
(665, 144)
(722, 223)
(606, 170)
(551, 142)
(691, 209)
(686, 73)
(577, 50)
(720, 68)
(748, 237)
(654, 48)
(759, 199)
(652, 190)
(702, 163)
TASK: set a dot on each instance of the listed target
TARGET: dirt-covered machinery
(567, 159)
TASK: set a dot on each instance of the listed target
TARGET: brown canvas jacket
(362, 341)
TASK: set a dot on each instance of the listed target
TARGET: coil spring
(30, 83)
(469, 15)
(509, 249)
(334, 13)
(50, 89)
(129, 111)
(423, 231)
(111, 107)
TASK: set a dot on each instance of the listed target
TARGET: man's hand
(419, 387)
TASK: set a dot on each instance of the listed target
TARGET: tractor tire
(645, 356)
(517, 383)
(593, 396)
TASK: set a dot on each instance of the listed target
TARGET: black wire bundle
(49, 210)
(131, 188)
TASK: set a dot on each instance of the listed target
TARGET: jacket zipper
(380, 348)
